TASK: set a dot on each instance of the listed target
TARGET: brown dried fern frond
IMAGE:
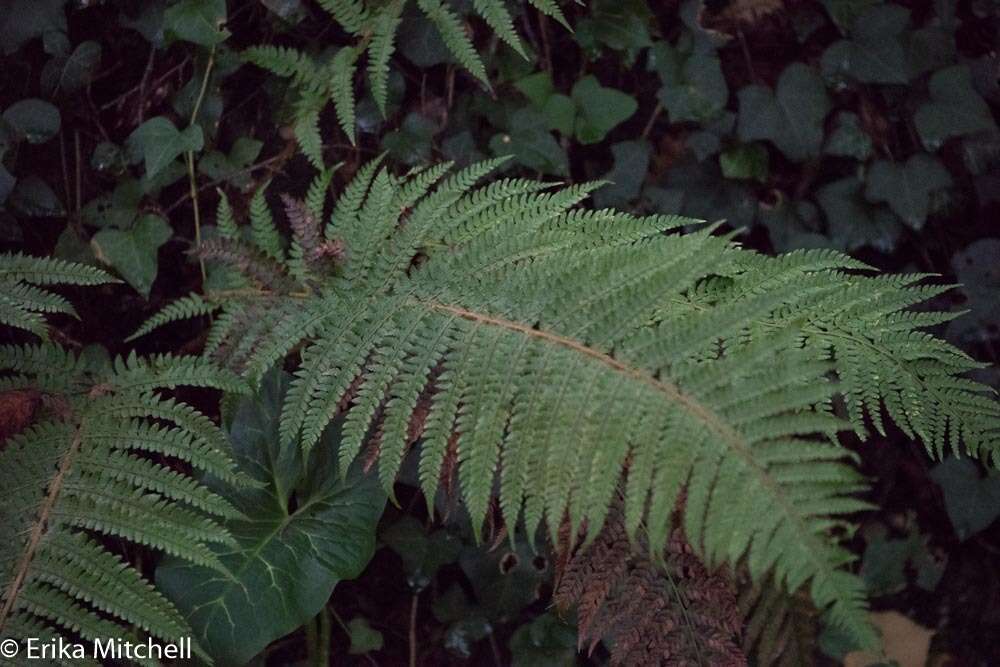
(671, 613)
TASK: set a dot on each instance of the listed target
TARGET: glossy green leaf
(423, 552)
(364, 638)
(955, 109)
(972, 500)
(599, 109)
(307, 530)
(547, 641)
(875, 52)
(852, 221)
(626, 176)
(233, 167)
(694, 88)
(33, 197)
(531, 143)
(848, 138)
(23, 20)
(411, 143)
(160, 143)
(747, 162)
(133, 252)
(65, 75)
(33, 119)
(907, 187)
(790, 117)
(198, 21)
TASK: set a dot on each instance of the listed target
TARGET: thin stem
(413, 630)
(192, 182)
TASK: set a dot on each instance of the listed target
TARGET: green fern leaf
(549, 351)
(454, 36)
(380, 49)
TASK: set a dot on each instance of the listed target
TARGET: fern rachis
(563, 347)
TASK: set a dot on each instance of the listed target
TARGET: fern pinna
(566, 347)
(373, 25)
(99, 467)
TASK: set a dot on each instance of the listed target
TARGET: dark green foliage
(548, 334)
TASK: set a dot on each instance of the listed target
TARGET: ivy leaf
(599, 109)
(232, 168)
(626, 176)
(305, 530)
(955, 109)
(545, 642)
(852, 221)
(848, 138)
(23, 20)
(907, 187)
(66, 75)
(32, 197)
(791, 117)
(845, 12)
(364, 638)
(531, 143)
(198, 21)
(747, 162)
(875, 52)
(133, 252)
(423, 553)
(411, 143)
(694, 88)
(159, 143)
(977, 269)
(33, 119)
(972, 501)
(621, 25)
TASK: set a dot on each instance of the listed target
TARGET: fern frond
(306, 126)
(23, 303)
(352, 15)
(495, 13)
(283, 61)
(184, 308)
(380, 49)
(551, 350)
(551, 8)
(80, 473)
(342, 69)
(454, 37)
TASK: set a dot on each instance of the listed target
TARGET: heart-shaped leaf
(694, 88)
(306, 530)
(64, 75)
(198, 21)
(790, 117)
(954, 110)
(35, 120)
(972, 501)
(159, 143)
(132, 252)
(875, 52)
(907, 187)
(599, 109)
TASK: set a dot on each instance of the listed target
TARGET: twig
(79, 188)
(652, 119)
(190, 160)
(139, 111)
(746, 56)
(413, 630)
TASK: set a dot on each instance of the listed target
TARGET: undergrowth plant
(555, 350)
(103, 469)
(374, 27)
